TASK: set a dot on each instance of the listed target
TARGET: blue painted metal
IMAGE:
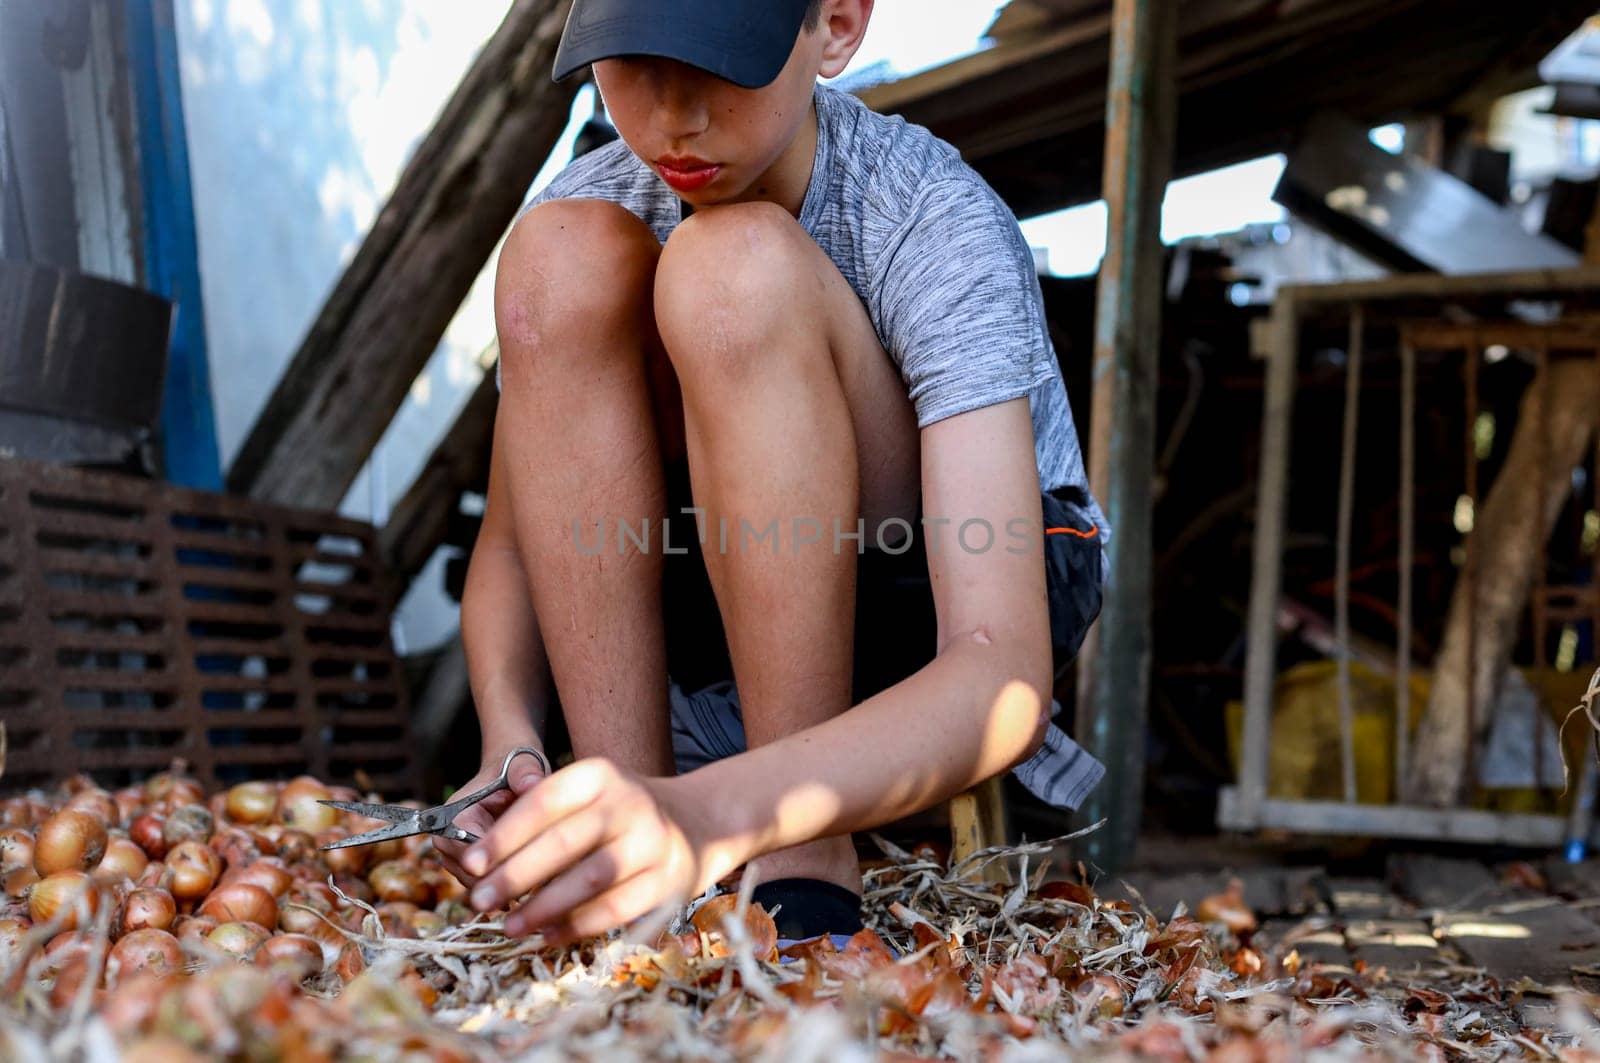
(171, 253)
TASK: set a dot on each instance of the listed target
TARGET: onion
(252, 802)
(146, 951)
(148, 909)
(77, 783)
(297, 954)
(148, 833)
(445, 886)
(235, 846)
(123, 861)
(351, 962)
(155, 875)
(298, 806)
(1104, 993)
(98, 803)
(173, 787)
(396, 880)
(268, 872)
(12, 932)
(349, 861)
(130, 799)
(17, 883)
(64, 892)
(217, 805)
(241, 902)
(194, 870)
(240, 939)
(60, 950)
(131, 1005)
(193, 927)
(70, 840)
(161, 1048)
(16, 848)
(295, 845)
(188, 823)
(69, 981)
(426, 923)
(356, 888)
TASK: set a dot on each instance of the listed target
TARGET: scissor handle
(494, 786)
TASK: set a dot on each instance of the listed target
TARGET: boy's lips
(687, 173)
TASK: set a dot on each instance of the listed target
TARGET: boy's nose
(679, 94)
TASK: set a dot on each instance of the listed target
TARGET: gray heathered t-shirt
(947, 277)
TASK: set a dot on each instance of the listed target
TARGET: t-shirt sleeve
(960, 304)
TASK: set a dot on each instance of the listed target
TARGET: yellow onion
(123, 861)
(348, 861)
(148, 833)
(188, 823)
(132, 1003)
(298, 806)
(241, 902)
(194, 870)
(397, 880)
(19, 881)
(296, 845)
(12, 931)
(148, 909)
(65, 892)
(192, 927)
(267, 872)
(98, 803)
(145, 951)
(130, 799)
(297, 954)
(16, 848)
(70, 840)
(251, 802)
(161, 1048)
(352, 961)
(240, 939)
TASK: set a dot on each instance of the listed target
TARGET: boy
(775, 306)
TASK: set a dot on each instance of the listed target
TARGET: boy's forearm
(506, 662)
(972, 713)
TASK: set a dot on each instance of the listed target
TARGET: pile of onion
(181, 882)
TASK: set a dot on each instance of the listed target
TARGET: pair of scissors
(439, 820)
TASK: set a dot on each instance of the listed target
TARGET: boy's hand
(481, 817)
(598, 847)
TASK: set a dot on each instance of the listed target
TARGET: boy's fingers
(523, 775)
(618, 861)
(618, 906)
(562, 794)
(531, 866)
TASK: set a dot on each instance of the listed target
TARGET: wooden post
(1114, 667)
(386, 315)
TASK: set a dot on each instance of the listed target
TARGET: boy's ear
(843, 25)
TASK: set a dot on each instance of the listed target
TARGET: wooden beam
(1028, 112)
(390, 308)
(459, 463)
(1114, 667)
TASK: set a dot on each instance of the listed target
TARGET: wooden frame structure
(1402, 301)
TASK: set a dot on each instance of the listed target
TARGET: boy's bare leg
(791, 410)
(573, 310)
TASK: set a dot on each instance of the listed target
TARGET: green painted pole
(1114, 667)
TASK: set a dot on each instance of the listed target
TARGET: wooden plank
(1403, 946)
(388, 311)
(978, 822)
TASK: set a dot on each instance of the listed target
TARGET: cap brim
(742, 42)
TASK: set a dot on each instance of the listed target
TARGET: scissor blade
(382, 834)
(392, 813)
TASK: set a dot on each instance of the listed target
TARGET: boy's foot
(807, 908)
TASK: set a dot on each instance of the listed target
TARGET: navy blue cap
(746, 42)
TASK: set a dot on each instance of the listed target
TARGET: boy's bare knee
(728, 273)
(570, 268)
